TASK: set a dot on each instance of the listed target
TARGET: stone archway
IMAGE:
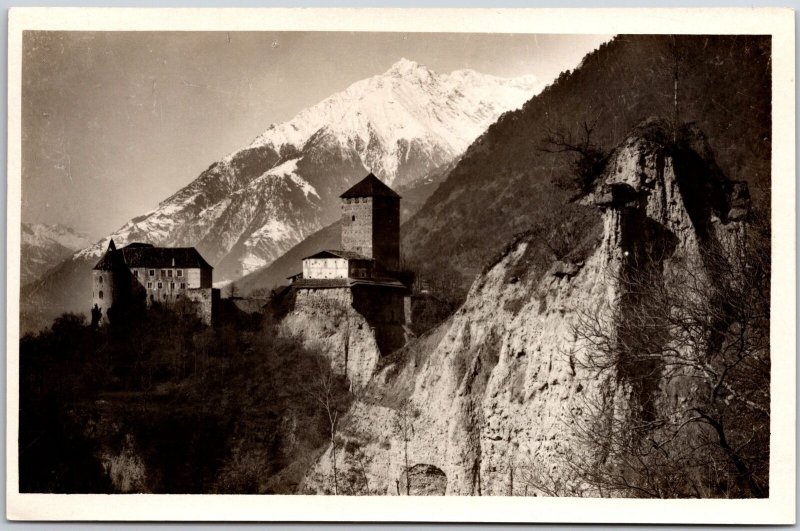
(426, 480)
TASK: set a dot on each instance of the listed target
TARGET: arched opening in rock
(425, 480)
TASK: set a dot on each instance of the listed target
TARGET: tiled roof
(111, 260)
(370, 186)
(323, 283)
(378, 281)
(145, 255)
(336, 253)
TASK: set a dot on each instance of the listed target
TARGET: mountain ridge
(44, 246)
(507, 180)
(248, 208)
(400, 125)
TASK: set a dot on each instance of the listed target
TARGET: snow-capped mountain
(247, 209)
(45, 246)
(388, 119)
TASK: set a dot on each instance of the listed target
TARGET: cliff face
(498, 396)
(505, 182)
(327, 323)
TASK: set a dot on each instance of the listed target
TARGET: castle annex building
(140, 274)
(364, 273)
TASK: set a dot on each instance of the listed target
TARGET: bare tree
(677, 59)
(697, 332)
(538, 476)
(590, 159)
(360, 459)
(324, 390)
(404, 422)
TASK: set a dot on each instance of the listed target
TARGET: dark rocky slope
(507, 183)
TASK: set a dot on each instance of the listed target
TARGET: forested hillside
(511, 180)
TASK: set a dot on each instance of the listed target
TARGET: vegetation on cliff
(169, 406)
(510, 180)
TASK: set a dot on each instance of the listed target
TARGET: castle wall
(114, 290)
(386, 233)
(330, 298)
(327, 323)
(103, 292)
(325, 268)
(205, 278)
(161, 287)
(201, 302)
(122, 288)
(193, 278)
(360, 268)
(357, 216)
(384, 310)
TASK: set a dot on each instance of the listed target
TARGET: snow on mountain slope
(248, 208)
(380, 116)
(45, 246)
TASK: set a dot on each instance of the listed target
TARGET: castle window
(179, 273)
(169, 273)
(183, 285)
(100, 280)
(163, 273)
(171, 285)
(354, 218)
(160, 285)
(135, 273)
(149, 285)
(100, 295)
(152, 272)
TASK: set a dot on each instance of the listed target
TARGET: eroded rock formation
(497, 395)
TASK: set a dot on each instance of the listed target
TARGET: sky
(115, 122)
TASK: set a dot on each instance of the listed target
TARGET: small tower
(105, 281)
(371, 222)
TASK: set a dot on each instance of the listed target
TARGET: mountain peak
(405, 66)
(259, 201)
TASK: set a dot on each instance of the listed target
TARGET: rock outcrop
(495, 397)
(328, 323)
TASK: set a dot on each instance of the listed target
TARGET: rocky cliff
(506, 182)
(496, 401)
(327, 323)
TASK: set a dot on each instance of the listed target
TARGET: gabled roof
(336, 253)
(111, 260)
(370, 186)
(145, 255)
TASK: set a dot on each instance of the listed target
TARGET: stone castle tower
(108, 278)
(363, 277)
(371, 223)
(104, 283)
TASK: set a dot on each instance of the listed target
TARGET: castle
(139, 275)
(365, 273)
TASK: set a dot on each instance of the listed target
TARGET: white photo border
(779, 508)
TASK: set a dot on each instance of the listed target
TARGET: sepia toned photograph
(379, 263)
